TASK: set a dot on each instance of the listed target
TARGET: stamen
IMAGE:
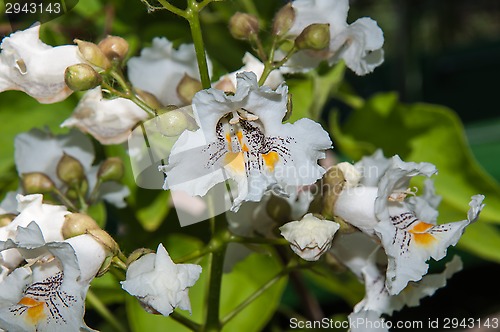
(399, 196)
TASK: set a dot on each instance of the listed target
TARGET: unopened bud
(77, 224)
(226, 85)
(111, 170)
(93, 54)
(148, 98)
(81, 77)
(36, 183)
(278, 209)
(70, 170)
(73, 193)
(172, 123)
(314, 36)
(187, 88)
(283, 20)
(105, 239)
(242, 26)
(138, 253)
(114, 47)
(6, 219)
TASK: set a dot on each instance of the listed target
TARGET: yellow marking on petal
(270, 159)
(229, 145)
(36, 310)
(420, 234)
(235, 162)
(239, 134)
(244, 148)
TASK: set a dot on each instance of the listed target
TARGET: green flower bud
(77, 224)
(314, 36)
(81, 77)
(36, 183)
(72, 193)
(242, 26)
(283, 20)
(111, 170)
(138, 253)
(278, 209)
(6, 219)
(148, 98)
(105, 239)
(172, 123)
(93, 54)
(115, 48)
(187, 88)
(70, 170)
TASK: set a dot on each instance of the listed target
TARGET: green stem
(172, 8)
(185, 321)
(193, 17)
(64, 199)
(257, 240)
(104, 312)
(194, 255)
(143, 105)
(95, 192)
(252, 297)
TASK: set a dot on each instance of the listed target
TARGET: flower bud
(72, 192)
(138, 253)
(111, 170)
(314, 36)
(283, 20)
(105, 239)
(70, 170)
(93, 54)
(225, 85)
(242, 26)
(36, 183)
(187, 88)
(77, 224)
(171, 123)
(81, 77)
(114, 47)
(148, 98)
(310, 237)
(278, 209)
(6, 219)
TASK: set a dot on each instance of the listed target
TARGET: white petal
(330, 12)
(356, 206)
(367, 321)
(90, 255)
(110, 121)
(37, 69)
(160, 68)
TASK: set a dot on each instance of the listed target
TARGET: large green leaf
(246, 277)
(421, 132)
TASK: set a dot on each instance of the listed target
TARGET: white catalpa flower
(228, 82)
(160, 284)
(242, 137)
(310, 237)
(384, 206)
(49, 219)
(48, 294)
(160, 68)
(110, 121)
(48, 149)
(29, 65)
(359, 44)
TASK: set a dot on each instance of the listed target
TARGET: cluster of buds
(100, 58)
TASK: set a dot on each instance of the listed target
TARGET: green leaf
(246, 277)
(20, 113)
(108, 289)
(98, 213)
(152, 208)
(421, 132)
(310, 93)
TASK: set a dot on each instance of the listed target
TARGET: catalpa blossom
(359, 44)
(110, 121)
(160, 284)
(160, 68)
(383, 205)
(310, 237)
(29, 65)
(241, 137)
(48, 293)
(49, 219)
(48, 149)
